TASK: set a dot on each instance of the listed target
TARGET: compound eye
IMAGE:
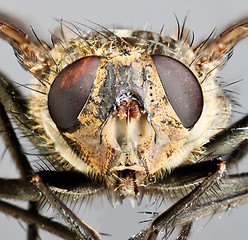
(182, 89)
(70, 91)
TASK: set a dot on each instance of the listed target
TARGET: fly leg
(185, 231)
(170, 218)
(229, 139)
(21, 161)
(83, 230)
(185, 204)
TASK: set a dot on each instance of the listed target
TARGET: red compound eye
(70, 91)
(182, 89)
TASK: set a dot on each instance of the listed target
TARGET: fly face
(114, 110)
(124, 109)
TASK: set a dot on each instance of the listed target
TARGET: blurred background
(203, 17)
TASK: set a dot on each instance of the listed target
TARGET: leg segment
(83, 230)
(171, 216)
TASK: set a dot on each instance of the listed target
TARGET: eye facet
(182, 89)
(70, 91)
